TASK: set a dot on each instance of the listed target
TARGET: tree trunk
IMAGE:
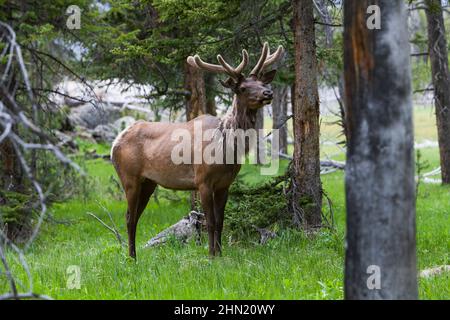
(195, 84)
(259, 125)
(380, 261)
(11, 173)
(279, 115)
(306, 163)
(437, 44)
(211, 107)
(325, 15)
(11, 176)
(195, 104)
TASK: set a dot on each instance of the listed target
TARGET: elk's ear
(230, 83)
(268, 76)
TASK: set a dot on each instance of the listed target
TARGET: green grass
(291, 266)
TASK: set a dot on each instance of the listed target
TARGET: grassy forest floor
(291, 266)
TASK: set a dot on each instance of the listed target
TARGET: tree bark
(11, 176)
(279, 115)
(437, 44)
(195, 104)
(306, 162)
(211, 107)
(259, 125)
(195, 84)
(325, 15)
(379, 183)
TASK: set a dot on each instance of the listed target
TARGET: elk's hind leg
(138, 193)
(147, 189)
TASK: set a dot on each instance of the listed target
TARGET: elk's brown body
(141, 154)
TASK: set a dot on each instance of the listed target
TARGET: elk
(141, 154)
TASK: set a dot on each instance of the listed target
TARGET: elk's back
(144, 150)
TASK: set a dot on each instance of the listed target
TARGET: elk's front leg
(206, 197)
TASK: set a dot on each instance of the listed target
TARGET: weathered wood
(183, 230)
(306, 164)
(437, 44)
(259, 125)
(380, 189)
(196, 103)
(435, 271)
(210, 85)
(191, 226)
(279, 114)
(195, 84)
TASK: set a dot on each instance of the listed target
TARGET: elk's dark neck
(239, 117)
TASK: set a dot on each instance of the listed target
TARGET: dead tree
(195, 84)
(15, 112)
(322, 9)
(259, 125)
(380, 261)
(307, 188)
(437, 44)
(279, 115)
(196, 103)
(210, 84)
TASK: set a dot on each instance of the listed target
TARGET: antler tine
(229, 69)
(192, 62)
(243, 63)
(257, 69)
(199, 63)
(224, 67)
(235, 72)
(273, 57)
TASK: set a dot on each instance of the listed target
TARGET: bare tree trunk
(437, 44)
(306, 163)
(211, 107)
(195, 84)
(11, 173)
(195, 104)
(279, 114)
(322, 6)
(259, 124)
(380, 260)
(11, 176)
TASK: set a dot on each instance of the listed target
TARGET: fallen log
(191, 226)
(323, 163)
(265, 234)
(435, 271)
(332, 164)
(183, 230)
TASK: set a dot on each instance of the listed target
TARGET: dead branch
(112, 228)
(15, 114)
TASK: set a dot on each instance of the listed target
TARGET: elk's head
(253, 91)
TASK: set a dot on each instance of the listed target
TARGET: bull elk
(141, 154)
